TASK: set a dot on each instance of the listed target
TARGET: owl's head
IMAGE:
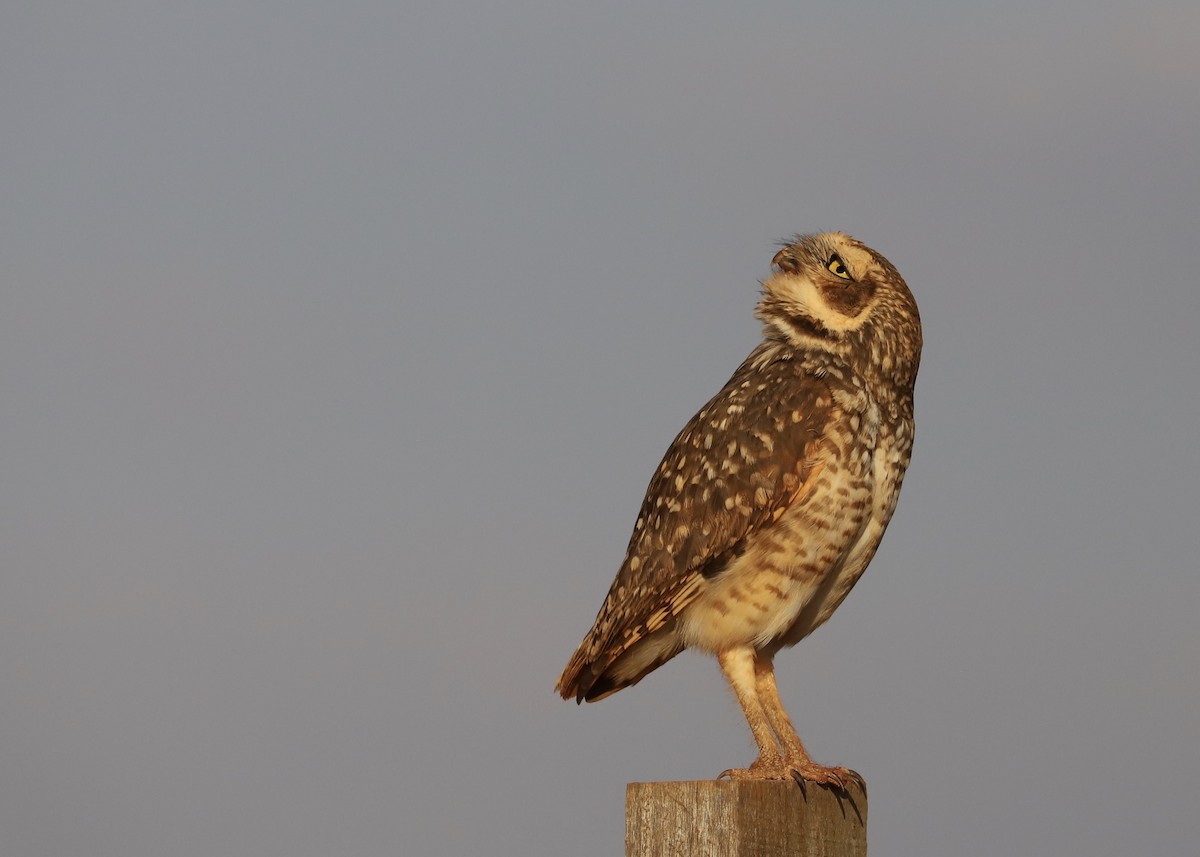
(831, 292)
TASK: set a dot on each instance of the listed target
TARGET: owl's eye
(838, 267)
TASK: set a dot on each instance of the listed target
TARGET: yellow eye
(838, 267)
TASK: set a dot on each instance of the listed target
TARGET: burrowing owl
(772, 500)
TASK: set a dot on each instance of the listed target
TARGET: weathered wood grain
(720, 818)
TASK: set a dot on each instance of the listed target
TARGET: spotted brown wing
(732, 470)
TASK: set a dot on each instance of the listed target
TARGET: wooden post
(720, 818)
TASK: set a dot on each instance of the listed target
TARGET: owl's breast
(796, 570)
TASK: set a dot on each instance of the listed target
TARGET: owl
(772, 500)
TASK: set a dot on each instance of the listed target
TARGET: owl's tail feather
(592, 679)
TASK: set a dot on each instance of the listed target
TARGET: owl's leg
(796, 757)
(738, 666)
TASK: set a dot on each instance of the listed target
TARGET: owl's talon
(835, 777)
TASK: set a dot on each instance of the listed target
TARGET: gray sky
(339, 341)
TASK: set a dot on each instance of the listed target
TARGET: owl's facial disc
(818, 299)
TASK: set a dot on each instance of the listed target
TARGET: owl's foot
(802, 772)
(762, 768)
(821, 775)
